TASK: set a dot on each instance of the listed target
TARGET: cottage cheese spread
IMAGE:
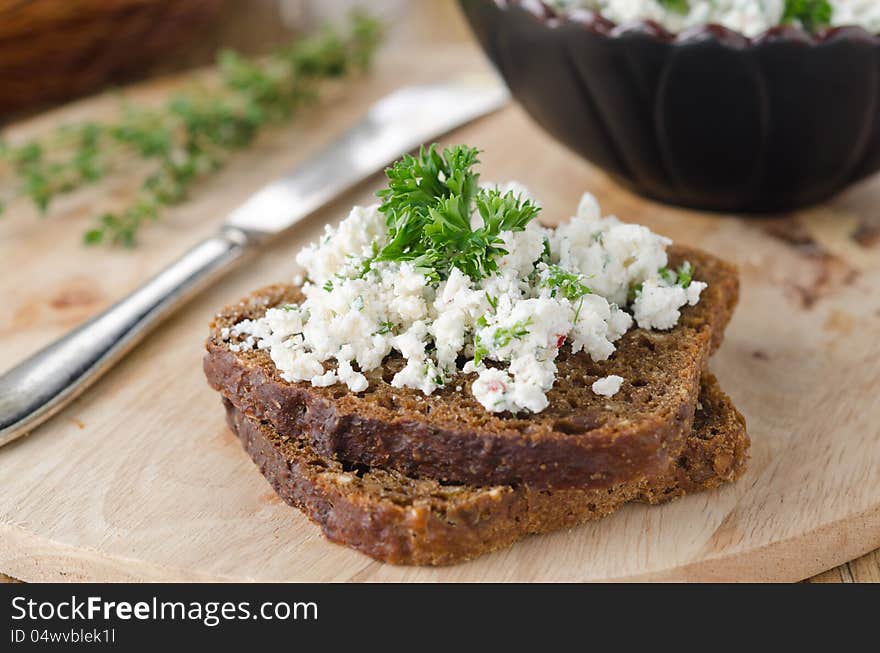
(584, 283)
(750, 17)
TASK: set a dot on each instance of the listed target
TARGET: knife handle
(43, 384)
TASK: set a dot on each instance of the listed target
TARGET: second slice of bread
(404, 520)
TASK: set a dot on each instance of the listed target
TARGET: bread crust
(580, 441)
(402, 520)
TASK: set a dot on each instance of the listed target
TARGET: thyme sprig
(189, 137)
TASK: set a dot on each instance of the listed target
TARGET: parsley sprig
(428, 206)
(186, 139)
(811, 14)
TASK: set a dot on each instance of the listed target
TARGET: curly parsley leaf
(428, 206)
(414, 184)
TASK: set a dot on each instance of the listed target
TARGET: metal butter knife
(43, 384)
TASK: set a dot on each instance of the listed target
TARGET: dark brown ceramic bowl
(707, 118)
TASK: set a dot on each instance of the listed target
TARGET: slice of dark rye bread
(581, 440)
(402, 520)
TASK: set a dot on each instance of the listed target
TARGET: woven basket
(51, 50)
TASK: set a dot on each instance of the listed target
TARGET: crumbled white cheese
(493, 389)
(612, 254)
(607, 386)
(750, 17)
(856, 12)
(657, 304)
(584, 283)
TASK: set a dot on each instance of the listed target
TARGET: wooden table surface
(417, 23)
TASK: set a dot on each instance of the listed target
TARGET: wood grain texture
(141, 480)
(862, 570)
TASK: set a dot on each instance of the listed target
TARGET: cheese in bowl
(750, 17)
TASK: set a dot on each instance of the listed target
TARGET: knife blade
(397, 123)
(43, 384)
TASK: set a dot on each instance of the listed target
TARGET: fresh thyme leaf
(93, 236)
(811, 14)
(189, 137)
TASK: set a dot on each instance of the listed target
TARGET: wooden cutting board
(141, 480)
